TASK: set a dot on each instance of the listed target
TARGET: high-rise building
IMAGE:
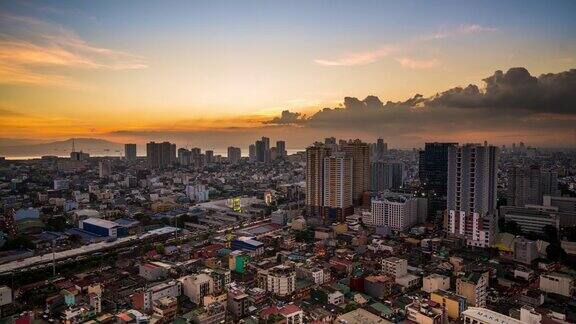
(330, 141)
(266, 155)
(433, 167)
(130, 152)
(380, 150)
(196, 157)
(281, 149)
(160, 155)
(471, 204)
(360, 154)
(104, 169)
(337, 196)
(252, 153)
(315, 177)
(386, 175)
(209, 156)
(184, 156)
(260, 151)
(527, 186)
(234, 154)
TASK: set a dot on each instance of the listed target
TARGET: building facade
(471, 201)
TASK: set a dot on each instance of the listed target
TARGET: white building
(396, 211)
(61, 184)
(166, 289)
(557, 283)
(471, 198)
(435, 282)
(197, 286)
(395, 267)
(198, 192)
(479, 315)
(281, 280)
(335, 298)
(5, 295)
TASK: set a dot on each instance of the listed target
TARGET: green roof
(383, 309)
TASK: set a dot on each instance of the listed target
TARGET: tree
(512, 227)
(551, 234)
(56, 224)
(18, 242)
(75, 238)
(555, 252)
(350, 307)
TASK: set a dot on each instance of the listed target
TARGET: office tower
(130, 152)
(527, 186)
(433, 167)
(314, 177)
(160, 155)
(281, 149)
(386, 175)
(471, 204)
(184, 156)
(234, 154)
(337, 198)
(260, 151)
(433, 174)
(252, 153)
(397, 211)
(209, 156)
(360, 154)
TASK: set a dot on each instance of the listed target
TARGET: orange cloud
(30, 47)
(361, 58)
(418, 64)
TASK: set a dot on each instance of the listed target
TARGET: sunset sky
(216, 73)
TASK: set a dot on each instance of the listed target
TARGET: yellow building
(453, 303)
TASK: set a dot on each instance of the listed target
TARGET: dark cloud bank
(512, 105)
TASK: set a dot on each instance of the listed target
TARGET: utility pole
(53, 258)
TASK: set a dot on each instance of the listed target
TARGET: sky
(219, 73)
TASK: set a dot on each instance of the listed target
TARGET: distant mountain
(93, 146)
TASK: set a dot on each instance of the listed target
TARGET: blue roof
(30, 213)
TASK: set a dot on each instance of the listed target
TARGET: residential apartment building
(471, 204)
(474, 287)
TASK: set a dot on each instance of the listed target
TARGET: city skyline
(125, 73)
(288, 162)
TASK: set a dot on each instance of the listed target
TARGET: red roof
(289, 310)
(268, 311)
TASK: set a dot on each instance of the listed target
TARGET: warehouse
(102, 227)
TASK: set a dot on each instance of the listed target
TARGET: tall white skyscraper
(471, 205)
